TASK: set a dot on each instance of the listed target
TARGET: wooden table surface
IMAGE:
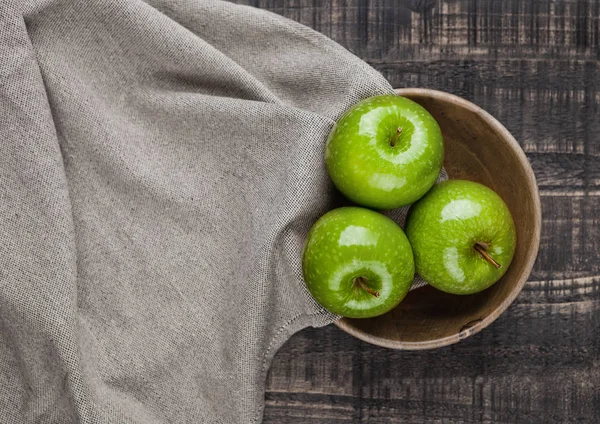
(535, 65)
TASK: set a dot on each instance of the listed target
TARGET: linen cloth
(160, 165)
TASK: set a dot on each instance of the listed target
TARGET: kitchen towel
(160, 165)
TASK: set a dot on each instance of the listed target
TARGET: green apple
(357, 263)
(385, 152)
(463, 236)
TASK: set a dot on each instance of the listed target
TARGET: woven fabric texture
(160, 166)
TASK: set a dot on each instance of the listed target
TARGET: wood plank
(535, 65)
(570, 238)
(538, 361)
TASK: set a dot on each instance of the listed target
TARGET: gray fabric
(161, 163)
(160, 166)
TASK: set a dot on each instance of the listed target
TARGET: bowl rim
(532, 186)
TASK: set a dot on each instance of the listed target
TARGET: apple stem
(395, 139)
(485, 255)
(361, 282)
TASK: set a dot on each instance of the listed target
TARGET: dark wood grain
(535, 65)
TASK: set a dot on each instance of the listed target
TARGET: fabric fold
(161, 164)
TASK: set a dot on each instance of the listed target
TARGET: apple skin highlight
(463, 237)
(357, 263)
(384, 153)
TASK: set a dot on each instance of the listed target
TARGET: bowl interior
(477, 148)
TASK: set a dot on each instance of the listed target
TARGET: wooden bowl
(478, 148)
